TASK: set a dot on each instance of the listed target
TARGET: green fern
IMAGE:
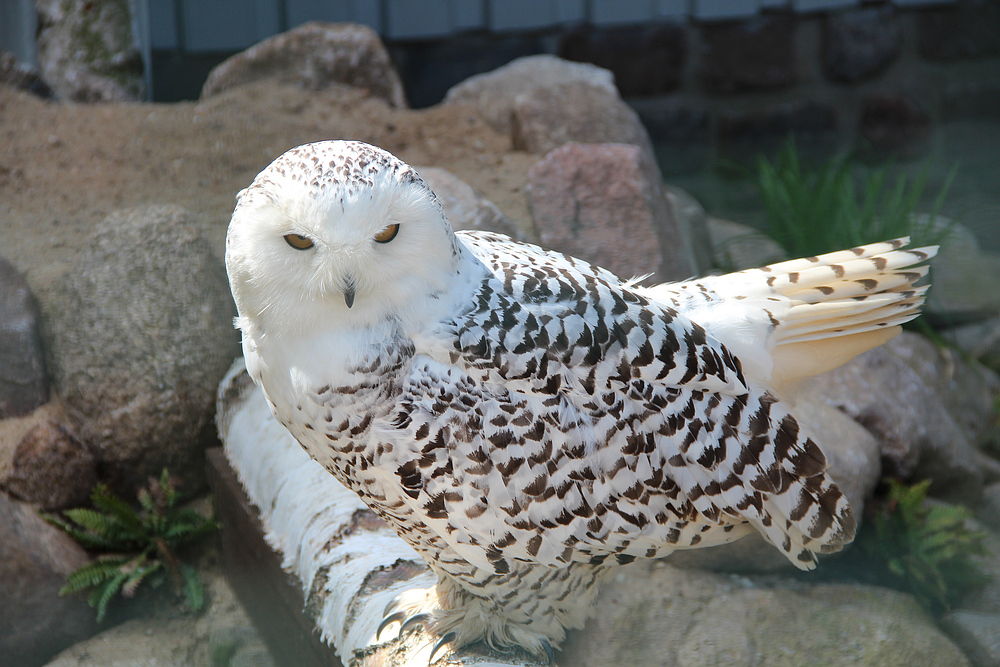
(818, 211)
(135, 546)
(926, 547)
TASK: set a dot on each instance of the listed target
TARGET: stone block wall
(876, 78)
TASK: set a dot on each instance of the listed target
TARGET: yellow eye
(298, 242)
(387, 234)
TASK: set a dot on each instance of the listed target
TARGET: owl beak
(349, 295)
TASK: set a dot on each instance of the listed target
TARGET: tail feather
(805, 316)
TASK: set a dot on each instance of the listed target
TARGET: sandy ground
(64, 166)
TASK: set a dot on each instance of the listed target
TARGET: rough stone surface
(860, 43)
(966, 29)
(543, 119)
(655, 615)
(757, 54)
(35, 622)
(52, 468)
(742, 135)
(966, 280)
(645, 60)
(854, 464)
(977, 634)
(989, 510)
(140, 333)
(986, 598)
(680, 135)
(980, 340)
(315, 55)
(604, 203)
(737, 247)
(86, 50)
(19, 74)
(23, 383)
(465, 208)
(895, 124)
(692, 221)
(221, 635)
(493, 93)
(917, 435)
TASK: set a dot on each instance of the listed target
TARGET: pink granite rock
(604, 203)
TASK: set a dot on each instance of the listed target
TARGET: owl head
(336, 233)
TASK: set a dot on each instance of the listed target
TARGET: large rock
(895, 124)
(23, 383)
(51, 468)
(35, 558)
(604, 203)
(141, 332)
(465, 208)
(221, 635)
(966, 279)
(545, 118)
(644, 59)
(493, 93)
(14, 72)
(316, 56)
(87, 52)
(654, 615)
(919, 437)
(757, 54)
(860, 43)
(737, 246)
(977, 633)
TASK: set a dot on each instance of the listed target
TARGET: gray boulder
(655, 615)
(493, 93)
(966, 280)
(918, 435)
(465, 208)
(221, 635)
(736, 246)
(140, 332)
(35, 558)
(604, 203)
(977, 634)
(87, 52)
(23, 383)
(315, 56)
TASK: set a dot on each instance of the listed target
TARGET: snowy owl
(526, 420)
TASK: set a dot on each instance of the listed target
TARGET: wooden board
(272, 597)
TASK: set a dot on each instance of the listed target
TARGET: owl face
(336, 233)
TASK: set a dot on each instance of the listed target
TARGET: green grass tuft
(813, 212)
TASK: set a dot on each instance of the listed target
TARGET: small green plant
(926, 547)
(134, 545)
(812, 212)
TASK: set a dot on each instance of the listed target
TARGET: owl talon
(447, 639)
(389, 620)
(412, 622)
(391, 607)
(549, 653)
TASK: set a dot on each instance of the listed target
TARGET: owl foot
(451, 625)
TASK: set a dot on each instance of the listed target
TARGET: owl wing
(567, 418)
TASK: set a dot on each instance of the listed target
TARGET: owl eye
(298, 241)
(387, 234)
